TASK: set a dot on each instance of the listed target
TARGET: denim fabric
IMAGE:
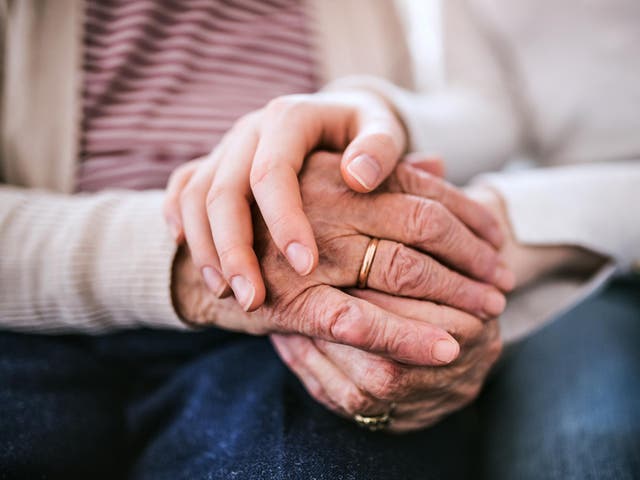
(563, 404)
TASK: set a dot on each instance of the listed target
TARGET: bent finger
(401, 270)
(464, 327)
(430, 227)
(330, 314)
(375, 150)
(230, 220)
(274, 181)
(417, 181)
(171, 204)
(197, 234)
(323, 379)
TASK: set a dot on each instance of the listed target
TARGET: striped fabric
(165, 79)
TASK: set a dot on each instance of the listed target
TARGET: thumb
(374, 152)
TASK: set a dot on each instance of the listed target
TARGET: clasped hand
(435, 283)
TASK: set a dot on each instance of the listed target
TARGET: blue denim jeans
(563, 404)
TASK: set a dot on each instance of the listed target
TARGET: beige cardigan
(98, 262)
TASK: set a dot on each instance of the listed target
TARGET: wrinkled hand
(343, 221)
(349, 381)
(209, 200)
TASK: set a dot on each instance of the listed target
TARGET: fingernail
(445, 351)
(214, 281)
(494, 303)
(300, 257)
(365, 170)
(504, 278)
(243, 290)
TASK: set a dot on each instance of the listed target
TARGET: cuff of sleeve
(537, 304)
(135, 262)
(559, 206)
(563, 206)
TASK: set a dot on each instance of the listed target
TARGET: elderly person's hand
(209, 200)
(352, 382)
(343, 222)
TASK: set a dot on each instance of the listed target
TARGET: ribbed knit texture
(85, 263)
(165, 80)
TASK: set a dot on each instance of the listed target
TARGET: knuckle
(428, 222)
(180, 172)
(315, 390)
(355, 401)
(382, 142)
(282, 222)
(467, 392)
(279, 104)
(260, 171)
(287, 105)
(305, 353)
(386, 381)
(231, 256)
(343, 321)
(247, 121)
(405, 271)
(440, 223)
(215, 194)
(189, 195)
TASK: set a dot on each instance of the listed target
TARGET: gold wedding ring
(375, 423)
(369, 254)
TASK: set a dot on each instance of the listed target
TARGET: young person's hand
(209, 200)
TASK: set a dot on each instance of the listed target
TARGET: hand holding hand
(343, 222)
(209, 200)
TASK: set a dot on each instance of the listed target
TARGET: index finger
(329, 314)
(274, 181)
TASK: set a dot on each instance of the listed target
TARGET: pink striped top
(165, 79)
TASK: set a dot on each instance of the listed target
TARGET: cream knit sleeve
(594, 206)
(84, 263)
(472, 121)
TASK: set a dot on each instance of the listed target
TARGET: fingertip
(250, 294)
(301, 258)
(371, 157)
(494, 303)
(214, 280)
(504, 278)
(445, 351)
(363, 173)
